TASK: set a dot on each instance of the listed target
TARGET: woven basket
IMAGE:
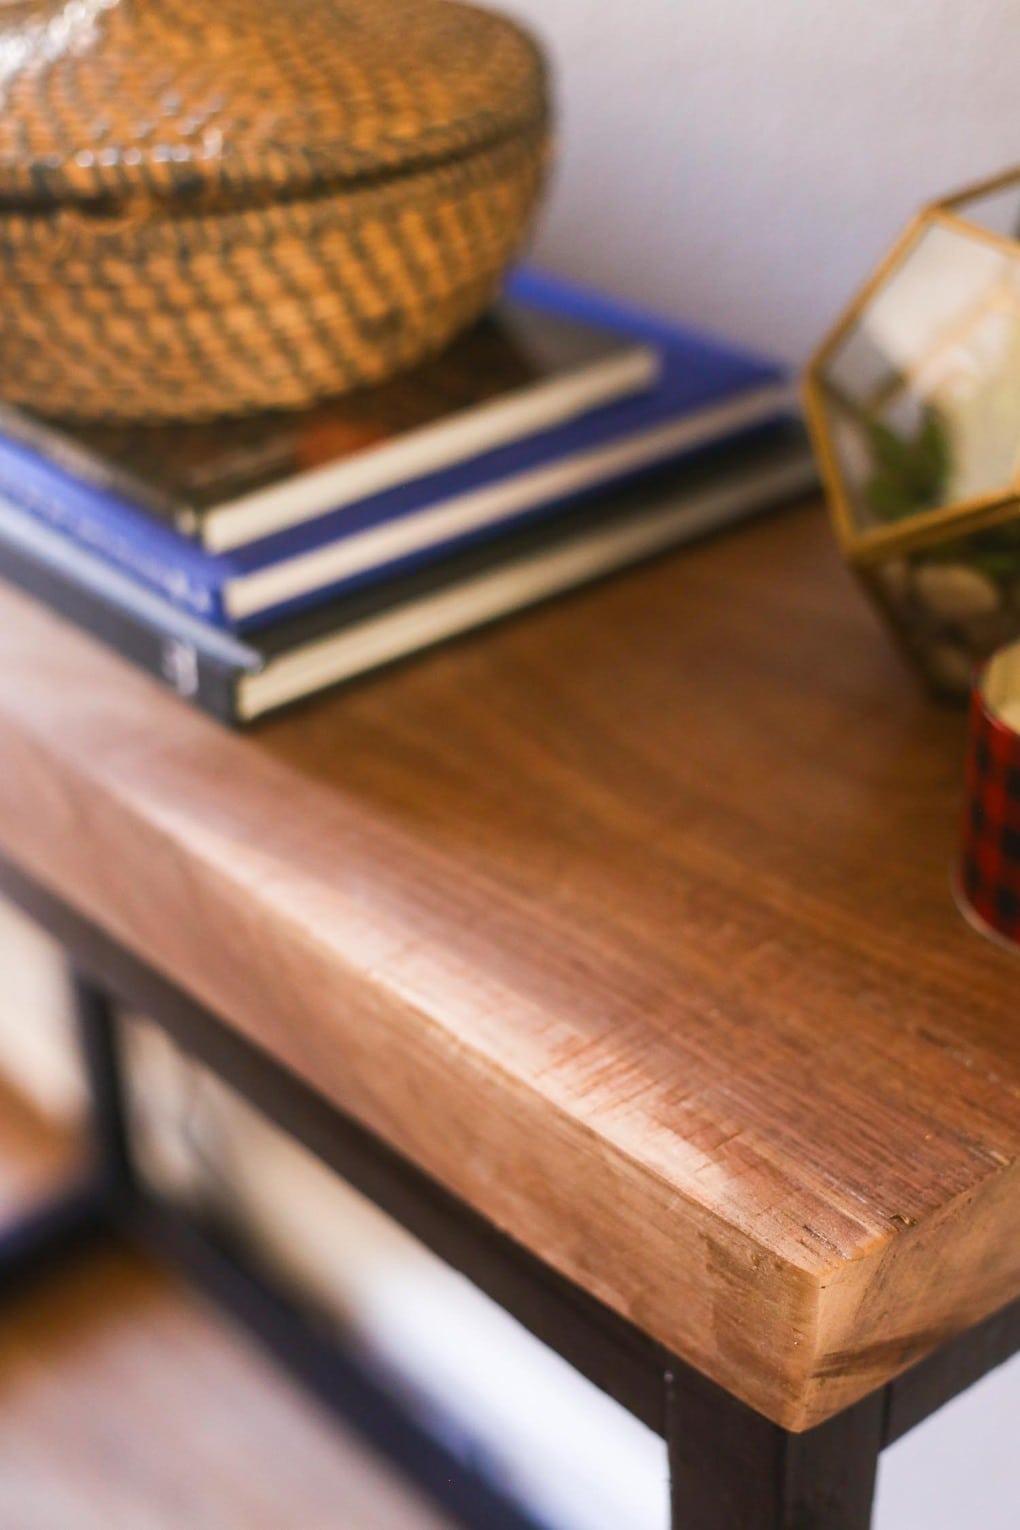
(215, 209)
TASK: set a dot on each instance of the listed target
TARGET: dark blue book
(701, 392)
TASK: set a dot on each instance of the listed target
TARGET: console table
(612, 951)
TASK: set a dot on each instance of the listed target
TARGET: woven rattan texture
(209, 210)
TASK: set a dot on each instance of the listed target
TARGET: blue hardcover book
(636, 392)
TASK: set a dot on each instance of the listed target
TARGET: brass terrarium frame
(871, 545)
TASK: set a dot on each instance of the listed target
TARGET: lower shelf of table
(128, 1400)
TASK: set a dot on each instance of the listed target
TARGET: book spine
(155, 555)
(544, 507)
(176, 663)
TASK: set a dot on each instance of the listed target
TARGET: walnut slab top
(629, 921)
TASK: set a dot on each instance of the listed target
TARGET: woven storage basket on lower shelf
(208, 211)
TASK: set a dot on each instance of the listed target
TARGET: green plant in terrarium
(913, 473)
(909, 474)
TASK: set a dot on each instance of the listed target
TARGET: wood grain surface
(630, 921)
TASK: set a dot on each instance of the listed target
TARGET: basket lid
(106, 98)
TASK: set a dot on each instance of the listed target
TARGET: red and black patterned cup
(989, 881)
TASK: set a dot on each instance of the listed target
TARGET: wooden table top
(629, 921)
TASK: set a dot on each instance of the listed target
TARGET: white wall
(743, 162)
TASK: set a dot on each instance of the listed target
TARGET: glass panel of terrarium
(923, 394)
(933, 295)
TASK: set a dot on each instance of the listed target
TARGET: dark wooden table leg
(731, 1469)
(111, 1140)
(78, 1216)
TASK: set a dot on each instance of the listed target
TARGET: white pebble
(954, 591)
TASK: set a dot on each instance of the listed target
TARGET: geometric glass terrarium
(914, 405)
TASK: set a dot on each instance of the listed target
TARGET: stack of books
(253, 562)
